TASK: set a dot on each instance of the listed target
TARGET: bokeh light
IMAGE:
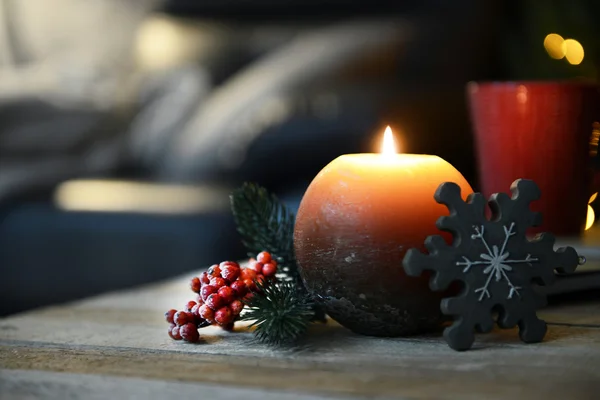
(573, 51)
(553, 44)
(591, 215)
(559, 48)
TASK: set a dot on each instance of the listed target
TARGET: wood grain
(121, 337)
(23, 384)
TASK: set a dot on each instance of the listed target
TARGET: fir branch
(266, 224)
(281, 313)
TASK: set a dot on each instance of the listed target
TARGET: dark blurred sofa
(203, 97)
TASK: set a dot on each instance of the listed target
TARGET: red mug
(544, 131)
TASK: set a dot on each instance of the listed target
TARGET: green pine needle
(266, 224)
(281, 313)
(282, 310)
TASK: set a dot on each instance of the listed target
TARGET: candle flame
(388, 146)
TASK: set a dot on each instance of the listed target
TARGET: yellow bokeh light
(593, 198)
(553, 44)
(591, 217)
(573, 51)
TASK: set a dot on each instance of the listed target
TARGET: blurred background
(124, 124)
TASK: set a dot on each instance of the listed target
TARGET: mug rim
(558, 82)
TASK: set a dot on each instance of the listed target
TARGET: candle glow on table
(356, 221)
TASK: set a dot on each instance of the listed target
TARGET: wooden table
(116, 346)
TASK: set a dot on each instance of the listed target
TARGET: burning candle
(356, 221)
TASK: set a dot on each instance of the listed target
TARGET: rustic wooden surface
(116, 345)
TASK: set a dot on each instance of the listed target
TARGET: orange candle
(356, 221)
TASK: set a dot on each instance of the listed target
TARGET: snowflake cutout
(494, 259)
(496, 262)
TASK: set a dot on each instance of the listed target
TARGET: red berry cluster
(220, 291)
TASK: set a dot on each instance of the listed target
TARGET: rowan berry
(189, 305)
(175, 334)
(236, 307)
(214, 271)
(207, 313)
(240, 288)
(207, 291)
(204, 278)
(195, 284)
(269, 269)
(227, 294)
(189, 333)
(263, 257)
(169, 316)
(230, 272)
(214, 301)
(247, 273)
(224, 316)
(182, 318)
(217, 282)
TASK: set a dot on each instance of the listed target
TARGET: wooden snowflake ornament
(494, 259)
